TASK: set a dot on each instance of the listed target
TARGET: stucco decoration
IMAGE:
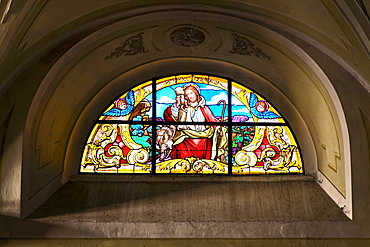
(132, 46)
(244, 46)
(5, 10)
(187, 36)
(363, 7)
(82, 75)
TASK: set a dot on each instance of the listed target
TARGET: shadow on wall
(12, 227)
(193, 201)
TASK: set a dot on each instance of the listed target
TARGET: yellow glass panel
(131, 104)
(191, 134)
(255, 109)
(272, 150)
(118, 148)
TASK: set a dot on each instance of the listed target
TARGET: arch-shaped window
(191, 124)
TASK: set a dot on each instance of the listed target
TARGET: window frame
(154, 123)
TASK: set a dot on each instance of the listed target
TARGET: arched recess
(96, 70)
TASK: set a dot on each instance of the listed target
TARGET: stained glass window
(191, 124)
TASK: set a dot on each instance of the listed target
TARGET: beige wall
(55, 77)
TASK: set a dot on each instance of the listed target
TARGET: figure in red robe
(198, 141)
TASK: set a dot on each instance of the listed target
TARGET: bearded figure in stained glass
(191, 140)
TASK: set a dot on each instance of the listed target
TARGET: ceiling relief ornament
(132, 46)
(187, 36)
(244, 46)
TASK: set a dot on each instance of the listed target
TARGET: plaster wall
(83, 73)
(67, 87)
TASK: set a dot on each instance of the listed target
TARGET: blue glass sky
(212, 94)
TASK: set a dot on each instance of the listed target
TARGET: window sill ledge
(187, 178)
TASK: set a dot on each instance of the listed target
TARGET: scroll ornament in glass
(191, 124)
